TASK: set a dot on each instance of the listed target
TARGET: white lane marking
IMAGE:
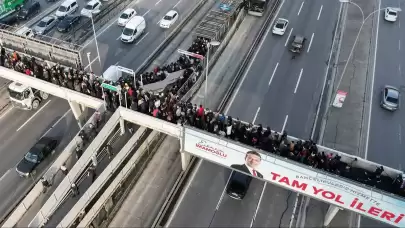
(183, 194)
(372, 87)
(36, 113)
(310, 42)
(61, 118)
(157, 3)
(298, 81)
(288, 37)
(177, 4)
(119, 37)
(258, 205)
(146, 13)
(399, 69)
(257, 113)
(223, 192)
(158, 21)
(319, 14)
(251, 62)
(399, 45)
(272, 75)
(4, 175)
(325, 79)
(299, 11)
(284, 124)
(142, 38)
(292, 219)
(91, 63)
(6, 112)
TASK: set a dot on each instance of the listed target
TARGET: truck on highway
(25, 97)
(8, 7)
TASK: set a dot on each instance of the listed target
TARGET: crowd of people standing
(167, 105)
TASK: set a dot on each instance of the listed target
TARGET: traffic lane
(31, 126)
(292, 82)
(205, 189)
(84, 184)
(273, 53)
(309, 87)
(133, 55)
(238, 213)
(12, 186)
(387, 72)
(275, 208)
(45, 9)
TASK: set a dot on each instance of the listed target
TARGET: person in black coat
(252, 162)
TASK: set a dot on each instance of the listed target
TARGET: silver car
(45, 25)
(390, 98)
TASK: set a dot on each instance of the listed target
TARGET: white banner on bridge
(296, 177)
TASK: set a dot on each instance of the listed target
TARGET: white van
(66, 8)
(133, 29)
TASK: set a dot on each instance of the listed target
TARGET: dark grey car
(45, 25)
(390, 98)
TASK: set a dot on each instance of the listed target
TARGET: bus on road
(257, 7)
(9, 6)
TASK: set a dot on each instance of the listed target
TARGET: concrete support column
(185, 160)
(122, 125)
(77, 112)
(332, 211)
(83, 108)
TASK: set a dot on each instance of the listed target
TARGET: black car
(238, 185)
(8, 21)
(68, 23)
(28, 10)
(42, 149)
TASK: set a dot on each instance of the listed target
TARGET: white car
(391, 14)
(127, 15)
(169, 19)
(280, 26)
(25, 31)
(92, 7)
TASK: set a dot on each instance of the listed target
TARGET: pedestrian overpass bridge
(339, 192)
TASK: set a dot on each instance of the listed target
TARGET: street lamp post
(209, 44)
(95, 40)
(357, 37)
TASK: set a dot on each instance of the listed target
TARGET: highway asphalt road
(266, 205)
(113, 51)
(20, 130)
(387, 129)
